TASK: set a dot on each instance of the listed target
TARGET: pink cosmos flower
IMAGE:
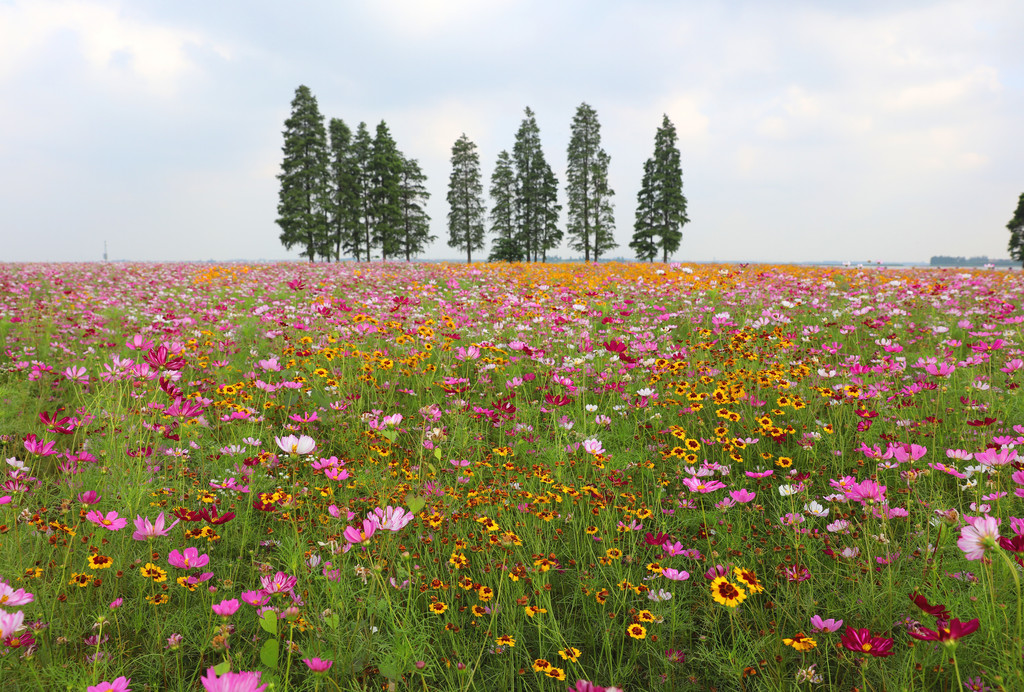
(118, 685)
(393, 518)
(110, 521)
(189, 559)
(89, 497)
(145, 530)
(10, 597)
(256, 598)
(355, 535)
(978, 537)
(593, 446)
(760, 474)
(829, 625)
(742, 495)
(6, 499)
(291, 444)
(10, 622)
(586, 686)
(318, 665)
(226, 608)
(696, 485)
(244, 681)
(675, 574)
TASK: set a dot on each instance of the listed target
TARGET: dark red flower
(938, 611)
(945, 634)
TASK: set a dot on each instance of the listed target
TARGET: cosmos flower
(861, 641)
(243, 681)
(144, 529)
(291, 444)
(978, 537)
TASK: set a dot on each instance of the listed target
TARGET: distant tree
(586, 187)
(304, 197)
(361, 155)
(465, 199)
(1016, 228)
(644, 242)
(506, 247)
(661, 206)
(536, 193)
(385, 193)
(343, 219)
(413, 195)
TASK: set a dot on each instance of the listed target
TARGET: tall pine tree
(661, 206)
(361, 155)
(415, 232)
(385, 194)
(304, 197)
(344, 192)
(1016, 228)
(536, 206)
(590, 225)
(465, 199)
(506, 247)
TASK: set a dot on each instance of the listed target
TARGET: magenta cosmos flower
(118, 685)
(244, 681)
(945, 633)
(861, 641)
(318, 665)
(187, 560)
(978, 537)
(110, 521)
(226, 608)
(145, 529)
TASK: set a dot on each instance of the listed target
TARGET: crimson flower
(655, 539)
(938, 611)
(945, 634)
(862, 641)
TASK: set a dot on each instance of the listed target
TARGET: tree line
(345, 194)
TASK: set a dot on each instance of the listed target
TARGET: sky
(809, 130)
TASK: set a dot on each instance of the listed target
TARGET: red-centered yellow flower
(748, 579)
(438, 608)
(81, 580)
(485, 593)
(613, 553)
(645, 616)
(800, 642)
(100, 561)
(458, 561)
(479, 611)
(153, 572)
(570, 654)
(727, 593)
(506, 640)
(158, 599)
(636, 631)
(556, 673)
(540, 665)
(533, 610)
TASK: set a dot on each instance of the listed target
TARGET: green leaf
(268, 621)
(268, 654)
(332, 621)
(222, 667)
(415, 503)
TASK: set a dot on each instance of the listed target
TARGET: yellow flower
(727, 593)
(153, 572)
(556, 673)
(570, 654)
(505, 640)
(438, 608)
(800, 642)
(636, 631)
(540, 665)
(100, 562)
(533, 610)
(748, 579)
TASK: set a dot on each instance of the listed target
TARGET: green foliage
(661, 205)
(304, 198)
(465, 199)
(1016, 228)
(344, 219)
(590, 224)
(415, 229)
(536, 194)
(506, 247)
(386, 167)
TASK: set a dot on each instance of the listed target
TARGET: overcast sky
(810, 130)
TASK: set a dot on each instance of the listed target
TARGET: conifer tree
(415, 232)
(465, 199)
(385, 195)
(344, 193)
(304, 197)
(506, 247)
(536, 204)
(362, 152)
(661, 206)
(1016, 228)
(590, 224)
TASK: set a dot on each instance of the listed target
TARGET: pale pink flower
(144, 529)
(675, 574)
(110, 521)
(10, 597)
(828, 625)
(593, 446)
(303, 444)
(978, 537)
(357, 535)
(393, 518)
(119, 684)
(10, 622)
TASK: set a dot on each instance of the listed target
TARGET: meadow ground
(529, 477)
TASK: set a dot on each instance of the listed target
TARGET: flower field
(510, 477)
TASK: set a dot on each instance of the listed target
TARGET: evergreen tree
(536, 193)
(661, 206)
(385, 194)
(590, 223)
(413, 195)
(644, 242)
(506, 247)
(304, 197)
(1016, 228)
(465, 199)
(361, 154)
(344, 193)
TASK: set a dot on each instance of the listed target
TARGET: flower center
(866, 646)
